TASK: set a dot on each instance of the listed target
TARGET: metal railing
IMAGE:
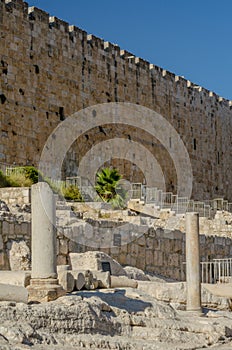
(181, 205)
(216, 271)
(150, 195)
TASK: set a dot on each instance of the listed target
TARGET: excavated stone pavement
(122, 319)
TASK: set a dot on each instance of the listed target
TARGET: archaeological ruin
(155, 274)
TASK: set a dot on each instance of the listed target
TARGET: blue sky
(192, 38)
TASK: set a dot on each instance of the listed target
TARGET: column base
(44, 290)
(196, 312)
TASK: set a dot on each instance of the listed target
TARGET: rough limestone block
(1, 243)
(19, 255)
(122, 281)
(93, 261)
(135, 273)
(66, 280)
(63, 268)
(16, 278)
(103, 278)
(80, 280)
(13, 293)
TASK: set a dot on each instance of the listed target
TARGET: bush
(20, 177)
(72, 192)
(18, 180)
(31, 173)
(3, 180)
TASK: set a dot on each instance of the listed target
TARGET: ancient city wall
(49, 70)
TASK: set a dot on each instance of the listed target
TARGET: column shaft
(193, 262)
(43, 232)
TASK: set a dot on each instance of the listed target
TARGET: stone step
(63, 207)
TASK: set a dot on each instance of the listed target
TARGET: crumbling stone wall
(15, 244)
(49, 70)
(158, 250)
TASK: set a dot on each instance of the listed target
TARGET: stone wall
(15, 195)
(160, 251)
(157, 250)
(15, 243)
(49, 70)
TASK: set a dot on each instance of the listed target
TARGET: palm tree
(108, 188)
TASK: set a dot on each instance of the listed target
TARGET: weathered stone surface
(193, 281)
(175, 292)
(16, 278)
(63, 268)
(80, 280)
(19, 255)
(66, 280)
(13, 293)
(44, 290)
(92, 260)
(135, 273)
(122, 281)
(124, 319)
(103, 278)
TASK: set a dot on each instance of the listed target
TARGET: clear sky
(191, 38)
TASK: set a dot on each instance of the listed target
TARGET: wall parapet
(35, 13)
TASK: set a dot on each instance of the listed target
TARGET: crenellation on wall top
(18, 2)
(112, 48)
(35, 14)
(57, 23)
(18, 5)
(95, 41)
(76, 31)
(142, 63)
(126, 54)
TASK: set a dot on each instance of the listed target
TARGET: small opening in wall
(36, 69)
(21, 91)
(4, 67)
(194, 144)
(2, 98)
(218, 158)
(61, 113)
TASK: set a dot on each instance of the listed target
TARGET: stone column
(44, 284)
(193, 263)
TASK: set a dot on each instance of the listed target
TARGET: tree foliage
(108, 187)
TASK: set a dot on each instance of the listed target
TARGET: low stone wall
(15, 243)
(15, 195)
(156, 250)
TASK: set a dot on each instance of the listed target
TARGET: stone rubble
(125, 319)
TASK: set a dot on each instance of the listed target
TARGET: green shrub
(109, 189)
(18, 180)
(31, 173)
(20, 177)
(71, 192)
(3, 180)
